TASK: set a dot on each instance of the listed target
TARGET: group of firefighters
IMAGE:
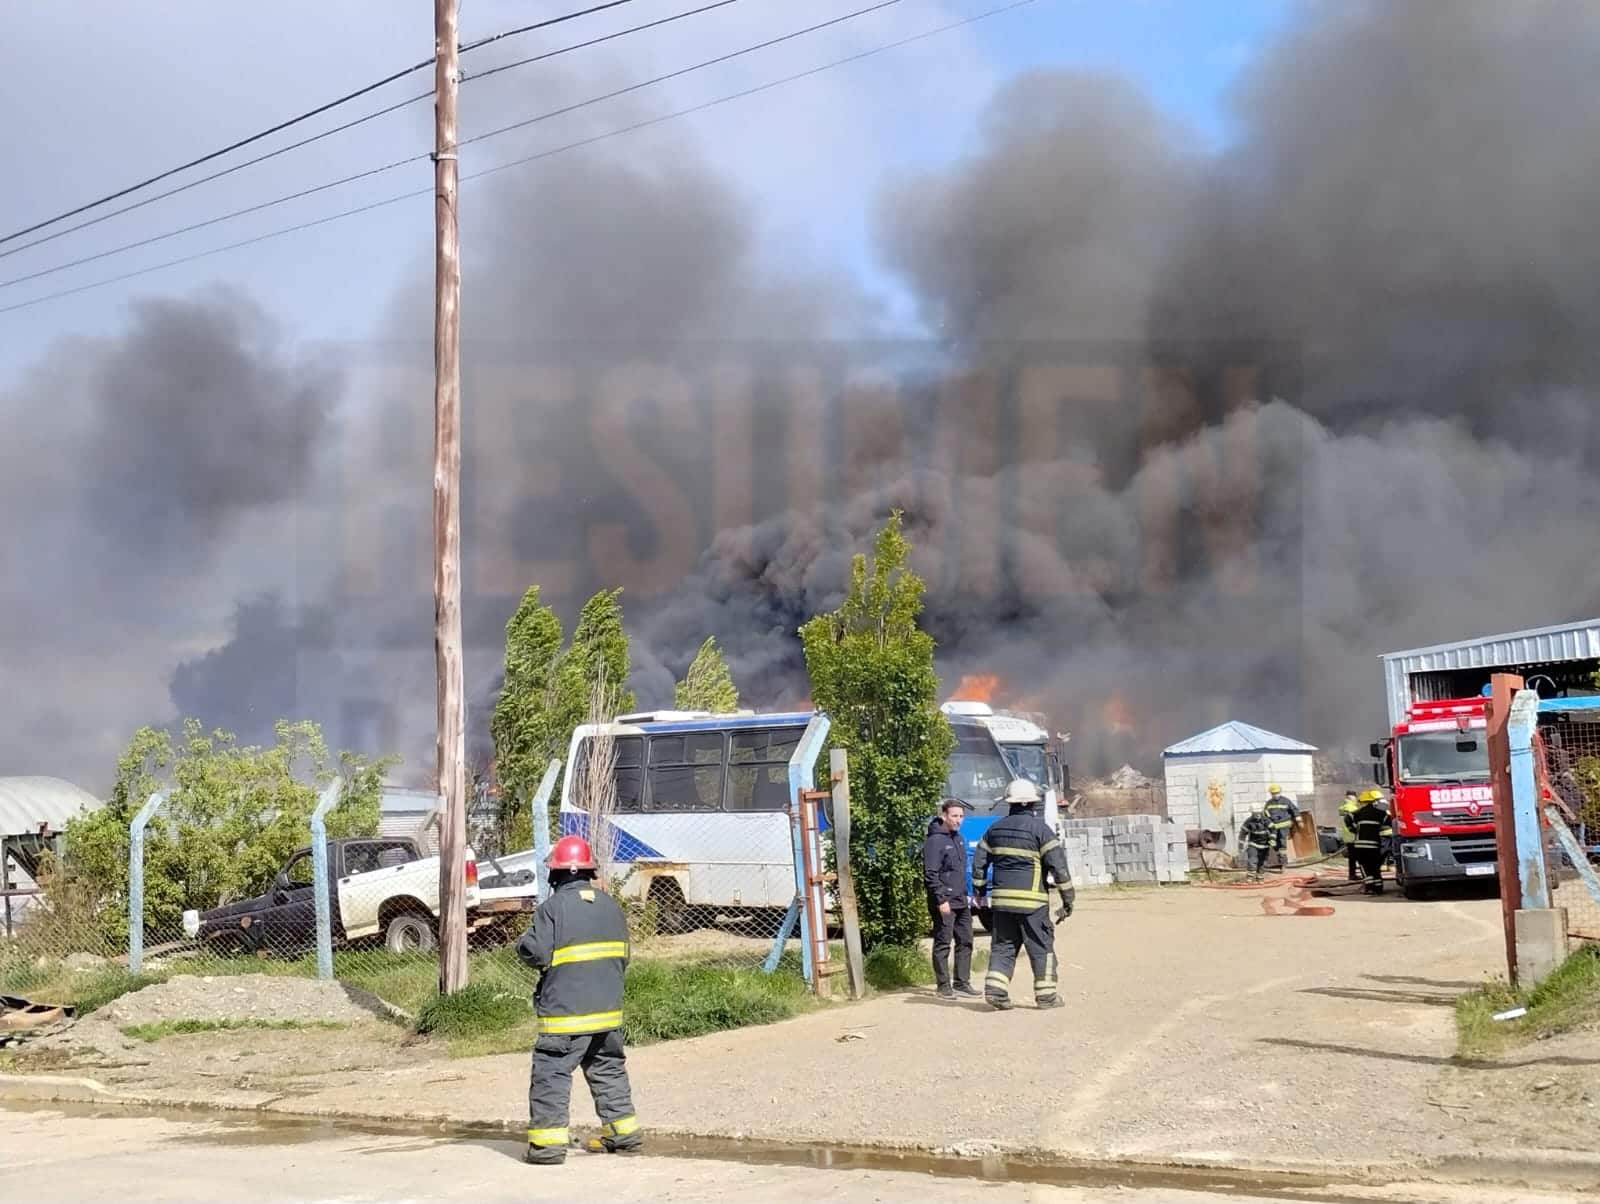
(1364, 828)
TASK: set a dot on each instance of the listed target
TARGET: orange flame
(977, 687)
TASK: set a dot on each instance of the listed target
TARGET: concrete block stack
(1126, 848)
(1085, 841)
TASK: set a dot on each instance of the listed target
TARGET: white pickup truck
(382, 887)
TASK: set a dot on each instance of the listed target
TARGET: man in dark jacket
(1256, 841)
(1025, 858)
(579, 943)
(944, 872)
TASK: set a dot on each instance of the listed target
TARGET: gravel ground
(245, 997)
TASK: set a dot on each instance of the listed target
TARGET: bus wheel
(673, 914)
(984, 916)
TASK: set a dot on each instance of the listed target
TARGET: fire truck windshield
(1444, 757)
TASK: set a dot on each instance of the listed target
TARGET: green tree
(871, 670)
(523, 727)
(549, 691)
(233, 816)
(707, 686)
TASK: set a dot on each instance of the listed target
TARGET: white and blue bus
(701, 825)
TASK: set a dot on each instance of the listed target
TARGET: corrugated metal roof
(1577, 641)
(1564, 642)
(25, 803)
(1235, 737)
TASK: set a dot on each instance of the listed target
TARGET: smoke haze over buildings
(1195, 434)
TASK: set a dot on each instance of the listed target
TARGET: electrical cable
(306, 116)
(373, 171)
(348, 125)
(544, 154)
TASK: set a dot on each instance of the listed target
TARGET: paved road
(48, 1156)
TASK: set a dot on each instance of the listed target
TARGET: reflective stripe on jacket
(1024, 858)
(1371, 824)
(579, 942)
(1280, 811)
(1255, 832)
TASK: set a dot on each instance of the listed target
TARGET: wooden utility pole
(452, 733)
(1503, 688)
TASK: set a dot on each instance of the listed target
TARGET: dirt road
(48, 1157)
(1197, 1029)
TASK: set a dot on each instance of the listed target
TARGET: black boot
(545, 1155)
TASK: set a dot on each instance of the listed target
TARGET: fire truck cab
(1436, 764)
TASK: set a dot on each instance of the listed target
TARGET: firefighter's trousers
(1353, 862)
(600, 1055)
(1371, 862)
(1031, 930)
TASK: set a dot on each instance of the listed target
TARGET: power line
(306, 116)
(305, 192)
(526, 159)
(373, 171)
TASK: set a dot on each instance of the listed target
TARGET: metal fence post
(136, 880)
(319, 872)
(540, 815)
(802, 776)
(1531, 865)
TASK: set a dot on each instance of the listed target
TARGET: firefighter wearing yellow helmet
(1372, 832)
(1280, 812)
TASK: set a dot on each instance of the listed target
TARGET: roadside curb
(1532, 1169)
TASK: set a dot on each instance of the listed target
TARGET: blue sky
(1184, 52)
(153, 91)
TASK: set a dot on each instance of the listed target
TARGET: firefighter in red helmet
(579, 944)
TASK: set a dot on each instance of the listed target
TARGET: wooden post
(451, 733)
(849, 916)
(1503, 688)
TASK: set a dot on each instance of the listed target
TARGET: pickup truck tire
(410, 932)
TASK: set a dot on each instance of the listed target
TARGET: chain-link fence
(1571, 745)
(699, 851)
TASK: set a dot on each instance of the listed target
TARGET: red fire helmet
(571, 853)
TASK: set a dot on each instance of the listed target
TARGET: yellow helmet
(1371, 796)
(1274, 789)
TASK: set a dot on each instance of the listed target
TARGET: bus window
(686, 772)
(628, 752)
(758, 771)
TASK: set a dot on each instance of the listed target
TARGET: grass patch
(663, 1000)
(172, 1028)
(1569, 999)
(476, 1012)
(86, 990)
(901, 967)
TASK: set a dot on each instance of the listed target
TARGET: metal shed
(33, 813)
(1216, 778)
(1553, 659)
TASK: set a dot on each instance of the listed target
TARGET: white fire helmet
(1022, 791)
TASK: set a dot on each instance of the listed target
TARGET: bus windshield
(978, 774)
(1444, 757)
(1028, 761)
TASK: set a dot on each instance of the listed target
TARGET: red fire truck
(1436, 764)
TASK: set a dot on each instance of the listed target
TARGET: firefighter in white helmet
(1025, 858)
